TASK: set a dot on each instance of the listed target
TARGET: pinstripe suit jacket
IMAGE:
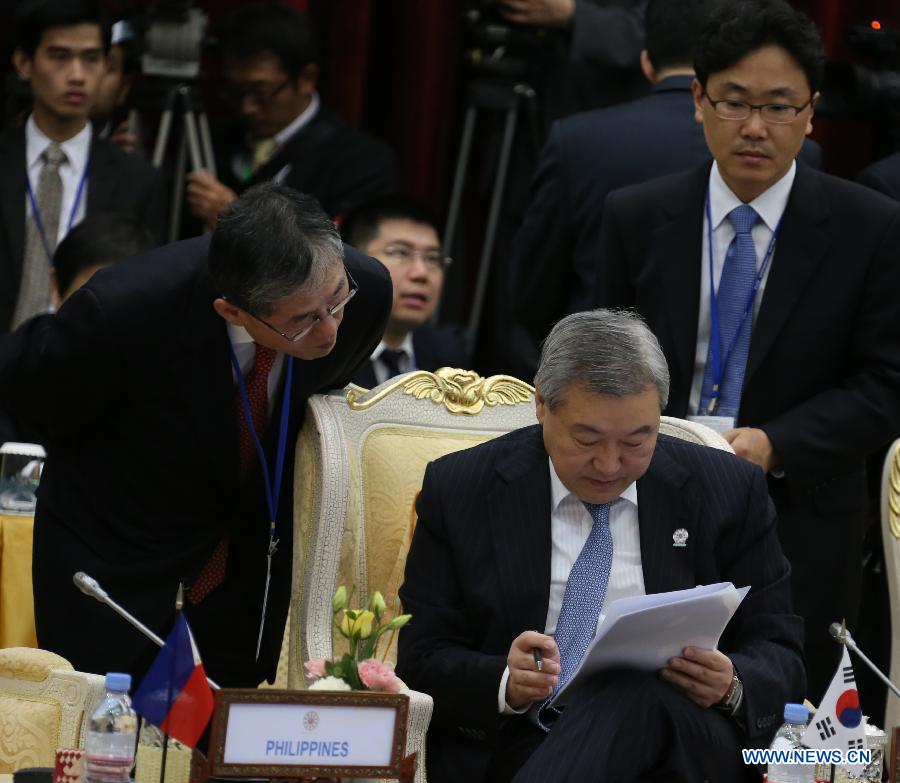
(478, 574)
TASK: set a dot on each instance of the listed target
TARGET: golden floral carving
(461, 392)
(894, 495)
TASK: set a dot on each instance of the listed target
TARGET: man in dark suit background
(589, 155)
(152, 476)
(269, 72)
(796, 272)
(53, 164)
(403, 235)
(515, 563)
(883, 175)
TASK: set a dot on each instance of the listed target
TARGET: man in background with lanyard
(170, 390)
(772, 289)
(54, 173)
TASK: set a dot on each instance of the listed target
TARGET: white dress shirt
(77, 150)
(245, 351)
(770, 207)
(570, 525)
(407, 363)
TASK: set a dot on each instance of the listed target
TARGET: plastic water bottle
(788, 737)
(112, 732)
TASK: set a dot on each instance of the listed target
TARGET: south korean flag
(838, 723)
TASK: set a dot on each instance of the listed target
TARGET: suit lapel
(12, 197)
(519, 516)
(801, 245)
(101, 177)
(676, 252)
(664, 508)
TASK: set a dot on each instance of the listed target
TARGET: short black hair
(360, 225)
(34, 17)
(269, 243)
(671, 31)
(280, 30)
(103, 238)
(739, 28)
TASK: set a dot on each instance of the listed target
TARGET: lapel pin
(680, 537)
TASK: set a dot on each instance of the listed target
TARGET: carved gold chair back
(890, 537)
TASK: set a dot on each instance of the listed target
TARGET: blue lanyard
(271, 496)
(36, 213)
(719, 363)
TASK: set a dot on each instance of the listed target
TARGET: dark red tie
(256, 382)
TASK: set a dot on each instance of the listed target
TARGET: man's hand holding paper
(703, 675)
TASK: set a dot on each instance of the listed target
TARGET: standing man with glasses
(269, 73)
(166, 390)
(772, 289)
(403, 235)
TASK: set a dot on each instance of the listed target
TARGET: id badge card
(720, 424)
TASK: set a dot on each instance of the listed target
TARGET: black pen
(538, 661)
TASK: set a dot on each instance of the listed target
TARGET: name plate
(300, 734)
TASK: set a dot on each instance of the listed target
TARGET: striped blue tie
(582, 601)
(732, 296)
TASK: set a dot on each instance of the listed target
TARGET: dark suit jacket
(117, 182)
(340, 166)
(883, 176)
(823, 372)
(587, 156)
(132, 382)
(478, 574)
(434, 347)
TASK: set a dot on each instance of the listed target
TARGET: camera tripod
(195, 141)
(507, 98)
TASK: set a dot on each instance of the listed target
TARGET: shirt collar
(299, 122)
(77, 148)
(559, 492)
(238, 334)
(769, 205)
(406, 345)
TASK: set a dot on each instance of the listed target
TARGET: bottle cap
(120, 682)
(796, 713)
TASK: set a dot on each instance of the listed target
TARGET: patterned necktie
(392, 360)
(738, 275)
(256, 383)
(262, 151)
(581, 604)
(34, 290)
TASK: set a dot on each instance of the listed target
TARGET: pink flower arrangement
(378, 676)
(315, 669)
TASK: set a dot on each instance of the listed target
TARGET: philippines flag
(174, 695)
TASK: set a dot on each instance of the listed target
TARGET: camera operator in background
(269, 76)
(115, 89)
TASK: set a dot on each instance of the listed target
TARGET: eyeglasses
(260, 94)
(332, 311)
(777, 113)
(433, 259)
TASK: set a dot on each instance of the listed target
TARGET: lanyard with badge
(717, 360)
(272, 484)
(36, 213)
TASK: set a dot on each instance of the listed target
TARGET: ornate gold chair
(363, 455)
(890, 537)
(44, 705)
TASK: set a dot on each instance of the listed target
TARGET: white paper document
(644, 632)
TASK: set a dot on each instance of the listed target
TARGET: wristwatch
(732, 699)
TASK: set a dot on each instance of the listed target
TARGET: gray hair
(269, 243)
(605, 352)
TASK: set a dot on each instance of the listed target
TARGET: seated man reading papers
(521, 544)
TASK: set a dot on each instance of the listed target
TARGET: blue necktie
(582, 601)
(735, 286)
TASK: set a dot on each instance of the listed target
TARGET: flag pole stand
(179, 604)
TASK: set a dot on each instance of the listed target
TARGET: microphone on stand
(90, 586)
(842, 636)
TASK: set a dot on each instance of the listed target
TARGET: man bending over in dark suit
(403, 235)
(281, 130)
(772, 290)
(163, 389)
(54, 171)
(525, 541)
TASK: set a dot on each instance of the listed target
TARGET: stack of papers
(644, 632)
